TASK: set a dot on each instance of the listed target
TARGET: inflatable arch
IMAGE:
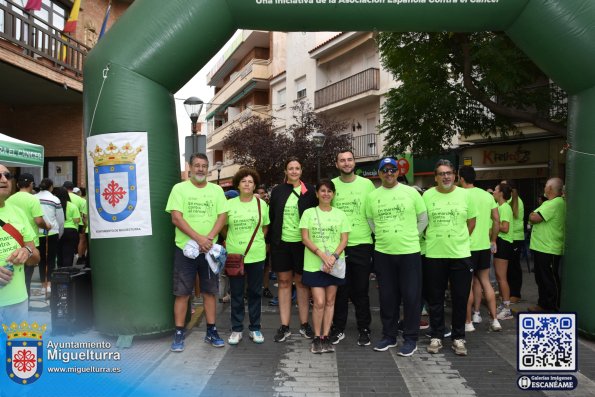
(157, 46)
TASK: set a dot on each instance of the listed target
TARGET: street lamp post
(193, 106)
(318, 139)
(218, 166)
(194, 143)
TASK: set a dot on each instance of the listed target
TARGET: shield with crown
(24, 352)
(115, 181)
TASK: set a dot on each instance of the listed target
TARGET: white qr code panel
(547, 342)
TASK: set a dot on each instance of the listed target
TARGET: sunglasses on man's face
(389, 170)
(7, 175)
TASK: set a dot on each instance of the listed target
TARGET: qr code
(547, 342)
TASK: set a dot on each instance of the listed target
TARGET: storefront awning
(17, 153)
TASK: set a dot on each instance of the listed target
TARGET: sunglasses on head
(7, 175)
(389, 170)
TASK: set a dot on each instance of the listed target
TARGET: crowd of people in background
(324, 242)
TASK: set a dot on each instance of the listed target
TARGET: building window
(281, 100)
(300, 87)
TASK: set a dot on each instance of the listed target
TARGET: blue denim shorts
(185, 271)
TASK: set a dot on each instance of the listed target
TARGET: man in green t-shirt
(350, 197)
(547, 245)
(451, 217)
(31, 207)
(398, 216)
(199, 211)
(13, 293)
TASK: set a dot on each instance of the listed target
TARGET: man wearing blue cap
(397, 214)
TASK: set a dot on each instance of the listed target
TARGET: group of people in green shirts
(417, 245)
(46, 225)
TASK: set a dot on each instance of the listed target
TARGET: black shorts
(185, 271)
(505, 249)
(287, 257)
(481, 259)
(320, 279)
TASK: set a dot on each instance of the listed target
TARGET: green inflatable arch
(157, 46)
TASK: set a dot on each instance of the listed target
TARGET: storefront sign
(520, 155)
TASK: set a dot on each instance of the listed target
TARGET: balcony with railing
(351, 86)
(215, 138)
(364, 146)
(26, 34)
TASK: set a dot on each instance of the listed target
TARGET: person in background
(14, 305)
(266, 292)
(48, 239)
(68, 243)
(245, 214)
(288, 202)
(325, 231)
(81, 204)
(503, 254)
(515, 273)
(26, 202)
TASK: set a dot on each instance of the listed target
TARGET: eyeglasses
(389, 170)
(7, 175)
(445, 173)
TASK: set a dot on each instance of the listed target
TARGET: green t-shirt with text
(31, 207)
(200, 207)
(505, 213)
(548, 235)
(242, 218)
(447, 235)
(394, 214)
(484, 204)
(72, 213)
(15, 291)
(333, 223)
(351, 199)
(290, 231)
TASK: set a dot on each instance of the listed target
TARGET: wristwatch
(336, 255)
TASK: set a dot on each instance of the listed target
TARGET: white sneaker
(469, 327)
(458, 345)
(476, 318)
(235, 338)
(435, 346)
(505, 314)
(495, 325)
(256, 337)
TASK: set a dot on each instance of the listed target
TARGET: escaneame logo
(24, 352)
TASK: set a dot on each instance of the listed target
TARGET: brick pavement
(289, 369)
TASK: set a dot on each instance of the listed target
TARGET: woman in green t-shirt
(68, 243)
(504, 248)
(245, 217)
(324, 233)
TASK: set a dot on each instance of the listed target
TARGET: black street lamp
(193, 106)
(218, 166)
(318, 139)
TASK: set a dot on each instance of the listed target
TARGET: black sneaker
(282, 333)
(336, 336)
(306, 331)
(364, 338)
(327, 346)
(316, 346)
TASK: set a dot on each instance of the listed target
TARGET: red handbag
(234, 264)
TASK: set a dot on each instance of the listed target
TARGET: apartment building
(41, 78)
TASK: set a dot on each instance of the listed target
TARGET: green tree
(462, 83)
(256, 143)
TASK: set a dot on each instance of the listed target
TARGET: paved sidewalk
(289, 369)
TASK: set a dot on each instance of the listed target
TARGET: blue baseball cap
(386, 161)
(231, 194)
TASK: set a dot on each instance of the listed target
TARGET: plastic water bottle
(10, 267)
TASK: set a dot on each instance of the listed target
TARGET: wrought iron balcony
(26, 34)
(359, 83)
(364, 145)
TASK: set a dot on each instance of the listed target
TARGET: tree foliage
(257, 144)
(462, 83)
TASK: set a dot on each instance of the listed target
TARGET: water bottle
(10, 267)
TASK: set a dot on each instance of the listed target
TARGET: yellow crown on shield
(113, 155)
(24, 330)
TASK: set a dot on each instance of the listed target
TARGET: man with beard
(451, 216)
(350, 197)
(198, 210)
